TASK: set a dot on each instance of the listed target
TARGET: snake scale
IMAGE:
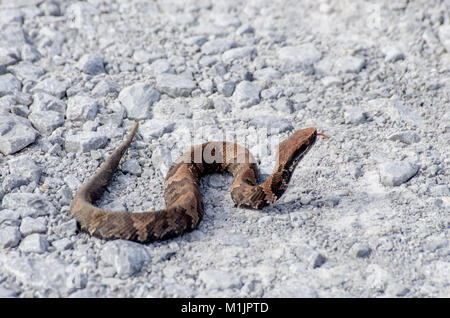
(184, 205)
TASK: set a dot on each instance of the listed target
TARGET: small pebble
(132, 166)
(138, 100)
(52, 86)
(68, 228)
(105, 87)
(300, 56)
(175, 85)
(394, 173)
(350, 64)
(407, 137)
(15, 134)
(81, 107)
(9, 236)
(267, 75)
(159, 66)
(444, 36)
(7, 293)
(355, 116)
(31, 225)
(272, 124)
(85, 141)
(46, 122)
(217, 279)
(34, 243)
(234, 240)
(216, 46)
(238, 53)
(360, 250)
(72, 182)
(26, 71)
(91, 64)
(126, 257)
(62, 244)
(155, 128)
(226, 88)
(9, 84)
(221, 104)
(246, 94)
(392, 54)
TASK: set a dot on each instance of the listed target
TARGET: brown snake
(184, 205)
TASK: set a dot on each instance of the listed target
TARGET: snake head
(292, 150)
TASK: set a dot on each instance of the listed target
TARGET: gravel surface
(367, 213)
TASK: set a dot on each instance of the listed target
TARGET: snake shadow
(295, 205)
(283, 207)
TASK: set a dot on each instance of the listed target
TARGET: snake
(184, 206)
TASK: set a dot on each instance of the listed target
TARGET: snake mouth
(322, 135)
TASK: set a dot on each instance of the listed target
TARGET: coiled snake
(184, 205)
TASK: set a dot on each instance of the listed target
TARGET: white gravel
(367, 213)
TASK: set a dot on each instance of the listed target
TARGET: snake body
(184, 205)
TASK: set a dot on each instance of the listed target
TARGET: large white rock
(138, 100)
(15, 134)
(126, 257)
(81, 107)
